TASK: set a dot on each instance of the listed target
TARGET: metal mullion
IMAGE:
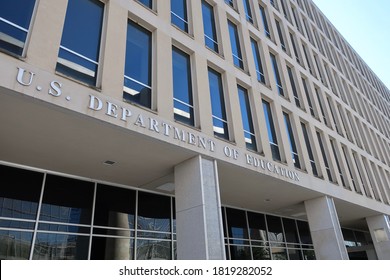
(92, 219)
(183, 103)
(79, 55)
(136, 225)
(38, 214)
(138, 82)
(14, 25)
(222, 120)
(179, 17)
(208, 37)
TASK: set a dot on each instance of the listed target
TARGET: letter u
(20, 77)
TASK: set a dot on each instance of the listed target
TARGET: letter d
(95, 103)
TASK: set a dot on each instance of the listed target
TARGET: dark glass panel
(295, 254)
(154, 212)
(15, 245)
(224, 222)
(174, 215)
(19, 193)
(258, 64)
(279, 254)
(361, 238)
(349, 237)
(236, 220)
(240, 253)
(115, 207)
(83, 27)
(67, 200)
(16, 224)
(60, 247)
(304, 232)
(63, 228)
(154, 250)
(290, 230)
(257, 227)
(138, 65)
(106, 248)
(308, 255)
(275, 230)
(113, 231)
(261, 253)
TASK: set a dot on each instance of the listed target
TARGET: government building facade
(203, 129)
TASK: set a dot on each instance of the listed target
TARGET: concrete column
(325, 229)
(380, 233)
(198, 211)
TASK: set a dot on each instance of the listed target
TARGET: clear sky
(365, 24)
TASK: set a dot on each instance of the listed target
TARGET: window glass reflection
(279, 254)
(261, 253)
(67, 200)
(240, 253)
(15, 245)
(154, 212)
(237, 225)
(106, 248)
(290, 230)
(60, 247)
(257, 227)
(115, 207)
(19, 193)
(275, 230)
(304, 232)
(153, 250)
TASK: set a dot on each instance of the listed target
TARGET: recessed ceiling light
(109, 162)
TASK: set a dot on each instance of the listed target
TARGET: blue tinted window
(210, 32)
(138, 76)
(273, 141)
(80, 44)
(235, 44)
(293, 147)
(259, 66)
(280, 33)
(309, 150)
(182, 87)
(246, 117)
(218, 105)
(293, 87)
(265, 22)
(147, 3)
(324, 156)
(248, 12)
(277, 75)
(15, 18)
(230, 3)
(179, 14)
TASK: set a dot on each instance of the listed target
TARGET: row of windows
(79, 58)
(79, 50)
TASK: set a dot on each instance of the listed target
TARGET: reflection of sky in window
(17, 11)
(82, 29)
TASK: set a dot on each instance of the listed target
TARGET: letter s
(55, 88)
